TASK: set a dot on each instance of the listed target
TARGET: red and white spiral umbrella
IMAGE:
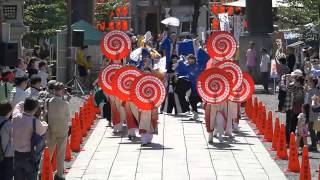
(213, 85)
(105, 78)
(116, 45)
(234, 70)
(245, 91)
(221, 45)
(123, 79)
(147, 92)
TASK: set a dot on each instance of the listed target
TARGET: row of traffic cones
(256, 111)
(81, 123)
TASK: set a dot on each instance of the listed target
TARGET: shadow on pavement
(154, 146)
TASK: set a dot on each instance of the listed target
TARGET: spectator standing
(36, 56)
(282, 69)
(6, 165)
(43, 74)
(291, 59)
(32, 67)
(58, 119)
(21, 69)
(6, 86)
(18, 93)
(294, 100)
(264, 69)
(312, 91)
(252, 56)
(22, 120)
(35, 87)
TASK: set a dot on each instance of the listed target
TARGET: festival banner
(273, 71)
(224, 22)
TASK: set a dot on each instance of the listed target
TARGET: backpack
(2, 151)
(37, 144)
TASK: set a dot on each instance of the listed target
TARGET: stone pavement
(180, 151)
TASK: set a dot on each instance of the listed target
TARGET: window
(185, 26)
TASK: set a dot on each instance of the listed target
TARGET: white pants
(132, 132)
(146, 138)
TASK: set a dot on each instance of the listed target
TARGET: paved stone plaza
(180, 151)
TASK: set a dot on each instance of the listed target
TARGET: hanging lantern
(101, 26)
(230, 10)
(124, 10)
(245, 23)
(111, 14)
(222, 9)
(215, 9)
(111, 25)
(215, 24)
(238, 9)
(118, 25)
(118, 11)
(124, 25)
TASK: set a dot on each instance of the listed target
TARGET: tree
(44, 17)
(298, 14)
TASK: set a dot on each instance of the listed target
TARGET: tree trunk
(196, 12)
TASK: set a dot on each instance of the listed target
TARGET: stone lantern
(12, 27)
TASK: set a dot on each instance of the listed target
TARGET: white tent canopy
(275, 3)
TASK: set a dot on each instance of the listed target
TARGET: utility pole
(68, 43)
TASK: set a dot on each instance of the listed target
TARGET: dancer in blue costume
(190, 71)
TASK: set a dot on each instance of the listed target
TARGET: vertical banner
(273, 71)
(237, 27)
(224, 22)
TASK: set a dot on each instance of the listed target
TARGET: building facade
(147, 15)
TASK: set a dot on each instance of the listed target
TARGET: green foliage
(300, 13)
(44, 17)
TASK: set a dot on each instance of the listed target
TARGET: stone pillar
(260, 27)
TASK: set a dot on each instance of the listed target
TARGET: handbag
(316, 125)
(37, 144)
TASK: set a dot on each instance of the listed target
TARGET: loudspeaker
(77, 38)
(8, 54)
(259, 14)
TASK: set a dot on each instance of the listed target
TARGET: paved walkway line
(180, 151)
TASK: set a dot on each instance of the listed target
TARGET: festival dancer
(215, 118)
(190, 70)
(172, 99)
(147, 118)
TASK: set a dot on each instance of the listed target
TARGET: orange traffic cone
(250, 108)
(275, 137)
(263, 120)
(247, 107)
(281, 148)
(255, 109)
(305, 173)
(54, 160)
(46, 173)
(268, 128)
(75, 135)
(82, 122)
(293, 165)
(68, 155)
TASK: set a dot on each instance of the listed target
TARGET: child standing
(302, 127)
